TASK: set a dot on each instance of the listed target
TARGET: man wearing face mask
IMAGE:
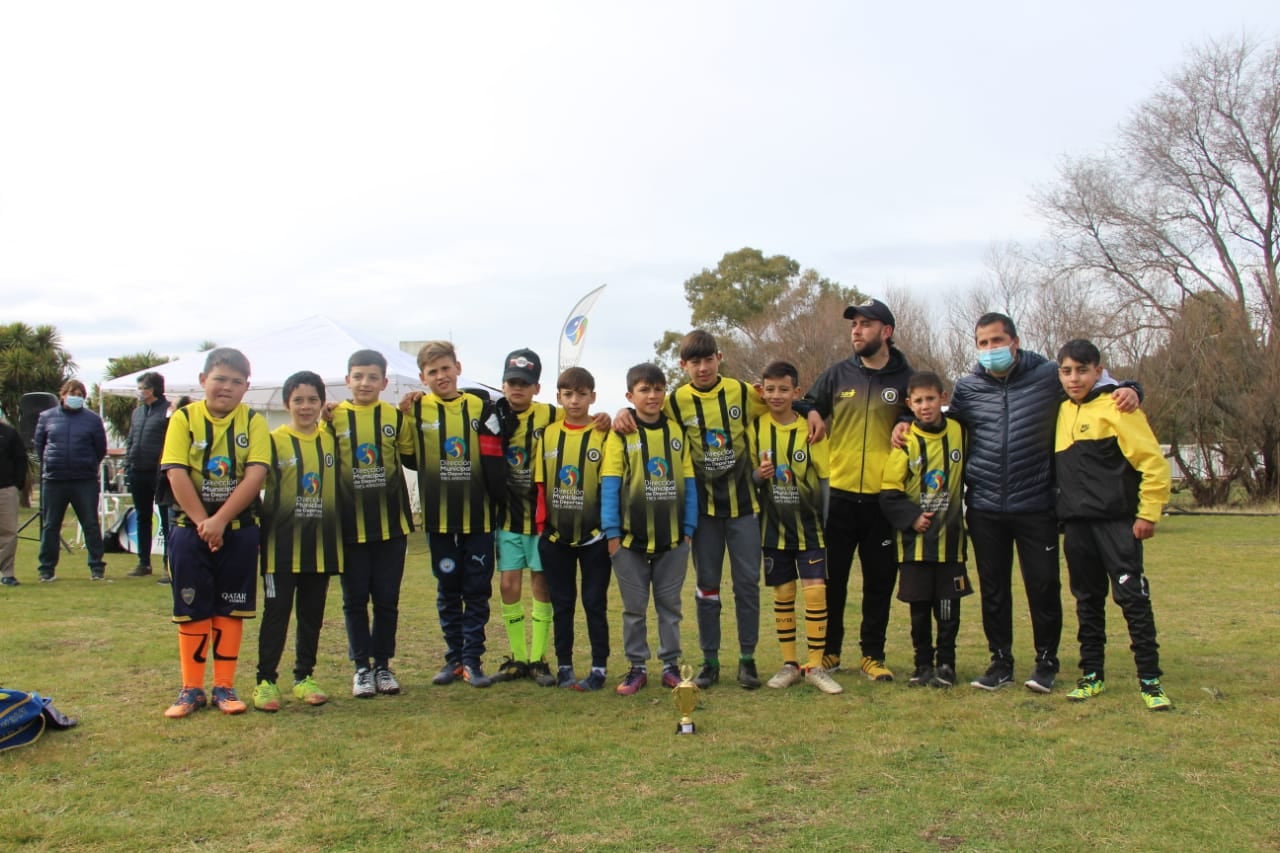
(1009, 403)
(71, 443)
(142, 460)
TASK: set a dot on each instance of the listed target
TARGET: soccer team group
(871, 460)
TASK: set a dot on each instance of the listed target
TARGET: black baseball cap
(524, 365)
(872, 309)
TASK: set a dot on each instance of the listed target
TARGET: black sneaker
(707, 676)
(921, 677)
(999, 674)
(540, 672)
(944, 676)
(141, 570)
(511, 670)
(566, 678)
(670, 676)
(474, 675)
(448, 674)
(1041, 681)
(748, 677)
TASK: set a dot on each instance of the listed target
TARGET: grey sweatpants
(664, 573)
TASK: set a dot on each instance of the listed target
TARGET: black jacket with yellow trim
(1108, 464)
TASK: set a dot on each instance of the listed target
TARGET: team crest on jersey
(537, 433)
(218, 467)
(569, 477)
(935, 480)
(188, 595)
(328, 460)
(783, 474)
(799, 456)
(242, 440)
(455, 447)
(735, 412)
(516, 456)
(889, 395)
(311, 484)
(388, 430)
(676, 444)
(717, 439)
(475, 424)
(593, 455)
(447, 565)
(367, 454)
(955, 454)
(658, 468)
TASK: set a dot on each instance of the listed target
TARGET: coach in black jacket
(142, 460)
(1009, 403)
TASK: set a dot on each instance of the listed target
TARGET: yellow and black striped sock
(815, 622)
(784, 618)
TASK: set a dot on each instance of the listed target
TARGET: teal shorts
(518, 551)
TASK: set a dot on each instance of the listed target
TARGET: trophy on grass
(686, 695)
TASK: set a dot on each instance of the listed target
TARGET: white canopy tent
(317, 343)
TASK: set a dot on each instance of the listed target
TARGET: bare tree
(1187, 205)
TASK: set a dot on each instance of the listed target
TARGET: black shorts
(785, 566)
(207, 583)
(933, 582)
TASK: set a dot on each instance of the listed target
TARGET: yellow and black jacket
(862, 406)
(1108, 465)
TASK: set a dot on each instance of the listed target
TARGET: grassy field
(518, 767)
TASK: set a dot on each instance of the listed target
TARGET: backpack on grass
(23, 717)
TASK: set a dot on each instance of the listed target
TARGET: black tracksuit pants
(560, 565)
(855, 523)
(280, 590)
(1101, 554)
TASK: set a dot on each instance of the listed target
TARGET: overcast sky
(174, 172)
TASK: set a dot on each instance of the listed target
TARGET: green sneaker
(309, 692)
(266, 696)
(1086, 688)
(1153, 695)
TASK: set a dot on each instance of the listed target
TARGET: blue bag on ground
(23, 717)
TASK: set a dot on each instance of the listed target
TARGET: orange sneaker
(190, 700)
(226, 701)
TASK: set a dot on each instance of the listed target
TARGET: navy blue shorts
(785, 566)
(208, 584)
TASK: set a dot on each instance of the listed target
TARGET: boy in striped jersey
(517, 538)
(792, 479)
(920, 495)
(374, 442)
(649, 509)
(567, 461)
(216, 453)
(301, 541)
(462, 480)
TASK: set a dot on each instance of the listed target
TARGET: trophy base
(683, 728)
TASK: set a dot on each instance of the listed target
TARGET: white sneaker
(786, 677)
(822, 680)
(362, 685)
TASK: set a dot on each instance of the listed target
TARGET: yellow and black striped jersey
(567, 465)
(452, 441)
(653, 465)
(1108, 464)
(863, 405)
(521, 491)
(715, 424)
(927, 475)
(791, 501)
(373, 496)
(301, 527)
(214, 452)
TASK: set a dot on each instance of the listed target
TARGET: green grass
(517, 767)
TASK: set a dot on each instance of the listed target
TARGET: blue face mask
(74, 402)
(996, 359)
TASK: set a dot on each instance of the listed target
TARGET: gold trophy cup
(686, 696)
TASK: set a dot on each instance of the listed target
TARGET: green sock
(513, 615)
(712, 662)
(541, 629)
